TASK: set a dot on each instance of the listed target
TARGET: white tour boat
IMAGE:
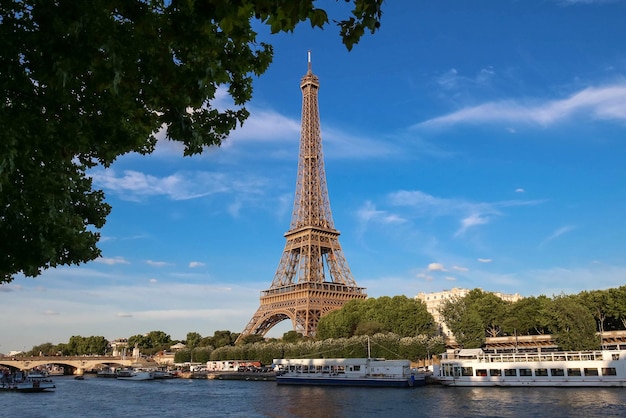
(347, 372)
(473, 367)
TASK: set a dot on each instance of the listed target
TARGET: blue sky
(467, 144)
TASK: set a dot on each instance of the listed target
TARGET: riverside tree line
(396, 327)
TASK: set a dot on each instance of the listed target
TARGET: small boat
(372, 372)
(135, 374)
(473, 367)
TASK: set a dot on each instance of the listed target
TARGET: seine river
(98, 397)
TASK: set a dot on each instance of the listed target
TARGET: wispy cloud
(561, 231)
(157, 263)
(368, 213)
(111, 261)
(195, 264)
(136, 186)
(470, 214)
(453, 80)
(570, 2)
(605, 103)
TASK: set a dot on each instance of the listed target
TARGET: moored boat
(370, 372)
(33, 382)
(106, 372)
(473, 367)
(135, 374)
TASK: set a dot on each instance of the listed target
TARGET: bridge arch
(75, 362)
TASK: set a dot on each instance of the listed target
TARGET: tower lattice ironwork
(313, 277)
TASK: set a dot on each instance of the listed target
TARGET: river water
(98, 397)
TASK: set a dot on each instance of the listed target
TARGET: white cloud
(264, 126)
(195, 264)
(604, 103)
(436, 267)
(157, 263)
(484, 260)
(519, 190)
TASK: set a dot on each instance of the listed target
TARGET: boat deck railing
(532, 357)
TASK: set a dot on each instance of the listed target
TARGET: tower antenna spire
(309, 53)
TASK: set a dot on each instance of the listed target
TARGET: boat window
(495, 372)
(591, 372)
(541, 372)
(467, 371)
(615, 356)
(356, 368)
(573, 372)
(525, 372)
(609, 371)
(510, 372)
(481, 372)
(557, 372)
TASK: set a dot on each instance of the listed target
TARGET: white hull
(136, 375)
(544, 369)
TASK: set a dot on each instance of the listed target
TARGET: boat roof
(339, 361)
(470, 352)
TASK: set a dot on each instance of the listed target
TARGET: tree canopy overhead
(84, 82)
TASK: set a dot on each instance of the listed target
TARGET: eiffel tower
(313, 277)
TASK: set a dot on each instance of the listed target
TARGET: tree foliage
(464, 320)
(573, 324)
(193, 340)
(45, 349)
(78, 346)
(84, 82)
(527, 316)
(399, 315)
(577, 322)
(150, 343)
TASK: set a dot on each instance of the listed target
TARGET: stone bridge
(77, 363)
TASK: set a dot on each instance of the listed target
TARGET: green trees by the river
(76, 346)
(399, 315)
(573, 320)
(387, 345)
